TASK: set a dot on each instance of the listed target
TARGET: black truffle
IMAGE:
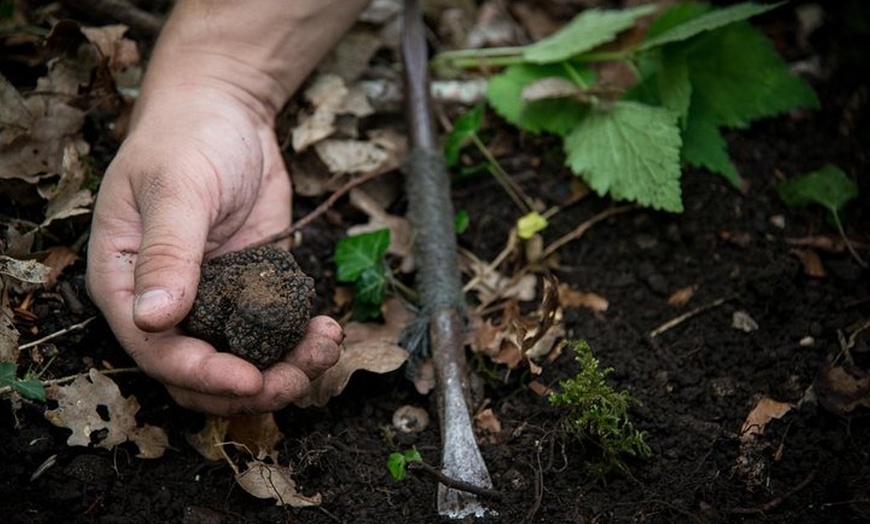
(254, 303)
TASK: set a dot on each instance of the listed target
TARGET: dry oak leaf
(78, 411)
(273, 481)
(367, 346)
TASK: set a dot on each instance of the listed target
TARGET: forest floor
(695, 383)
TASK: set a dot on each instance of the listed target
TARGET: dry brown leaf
(15, 117)
(121, 54)
(539, 388)
(572, 298)
(325, 94)
(487, 422)
(827, 243)
(842, 389)
(494, 27)
(272, 481)
(681, 296)
(810, 261)
(29, 271)
(8, 336)
(67, 198)
(210, 438)
(350, 58)
(58, 259)
(765, 410)
(257, 433)
(367, 346)
(78, 411)
(350, 156)
(491, 285)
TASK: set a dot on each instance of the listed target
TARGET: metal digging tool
(431, 214)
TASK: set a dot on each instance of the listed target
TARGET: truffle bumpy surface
(254, 303)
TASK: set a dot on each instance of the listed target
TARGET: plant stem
(849, 245)
(505, 181)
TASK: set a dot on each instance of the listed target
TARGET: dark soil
(695, 383)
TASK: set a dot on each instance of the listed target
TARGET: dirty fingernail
(151, 302)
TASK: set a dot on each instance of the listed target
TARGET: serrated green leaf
(465, 127)
(355, 254)
(829, 187)
(675, 15)
(631, 151)
(740, 77)
(31, 389)
(504, 94)
(707, 22)
(530, 224)
(585, 32)
(7, 373)
(674, 86)
(704, 146)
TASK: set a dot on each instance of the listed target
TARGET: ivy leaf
(30, 388)
(465, 127)
(355, 254)
(585, 32)
(829, 187)
(737, 73)
(707, 22)
(369, 292)
(631, 150)
(505, 95)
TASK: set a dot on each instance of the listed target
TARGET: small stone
(410, 419)
(742, 321)
(254, 303)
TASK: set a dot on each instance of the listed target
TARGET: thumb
(174, 231)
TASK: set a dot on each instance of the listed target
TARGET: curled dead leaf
(272, 481)
(765, 410)
(810, 261)
(29, 271)
(681, 296)
(569, 297)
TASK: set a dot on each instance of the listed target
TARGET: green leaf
(465, 127)
(31, 389)
(461, 221)
(631, 150)
(585, 32)
(369, 292)
(504, 94)
(7, 373)
(704, 146)
(355, 254)
(737, 73)
(675, 89)
(397, 465)
(829, 187)
(530, 224)
(677, 14)
(707, 22)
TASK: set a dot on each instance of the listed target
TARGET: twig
(539, 485)
(674, 322)
(776, 502)
(122, 11)
(329, 202)
(581, 230)
(63, 380)
(420, 467)
(64, 331)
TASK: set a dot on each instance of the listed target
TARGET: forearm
(261, 49)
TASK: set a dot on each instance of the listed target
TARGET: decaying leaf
(491, 285)
(272, 481)
(58, 259)
(516, 337)
(330, 97)
(29, 271)
(765, 410)
(210, 438)
(842, 389)
(811, 262)
(367, 346)
(350, 156)
(681, 296)
(120, 54)
(401, 240)
(257, 435)
(79, 410)
(8, 336)
(15, 117)
(572, 298)
(67, 198)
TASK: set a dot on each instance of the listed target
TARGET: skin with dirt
(254, 303)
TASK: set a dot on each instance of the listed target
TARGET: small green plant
(360, 260)
(397, 463)
(28, 387)
(828, 187)
(696, 71)
(593, 412)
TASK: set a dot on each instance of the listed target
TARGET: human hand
(200, 174)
